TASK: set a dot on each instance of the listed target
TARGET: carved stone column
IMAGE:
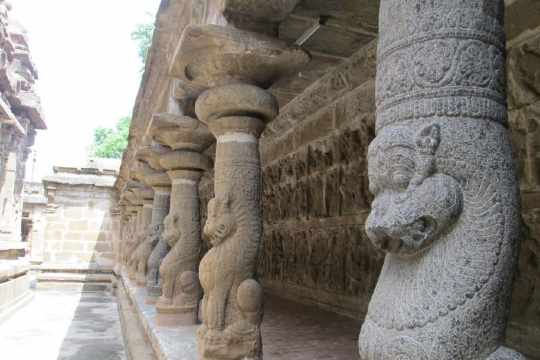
(162, 198)
(232, 305)
(181, 291)
(235, 69)
(142, 226)
(133, 209)
(119, 255)
(446, 208)
(150, 255)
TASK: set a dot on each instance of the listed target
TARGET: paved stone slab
(60, 325)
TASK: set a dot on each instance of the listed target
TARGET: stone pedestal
(446, 208)
(181, 290)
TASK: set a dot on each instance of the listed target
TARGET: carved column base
(183, 309)
(213, 345)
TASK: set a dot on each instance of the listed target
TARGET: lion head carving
(413, 202)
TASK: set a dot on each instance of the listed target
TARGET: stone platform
(177, 343)
(290, 330)
(14, 286)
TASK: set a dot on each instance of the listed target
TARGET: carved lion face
(220, 223)
(171, 230)
(413, 202)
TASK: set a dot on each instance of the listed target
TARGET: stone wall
(316, 194)
(81, 222)
(523, 32)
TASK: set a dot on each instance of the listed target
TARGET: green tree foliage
(111, 143)
(142, 35)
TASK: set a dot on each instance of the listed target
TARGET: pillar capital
(236, 108)
(211, 55)
(157, 180)
(150, 153)
(180, 132)
(185, 164)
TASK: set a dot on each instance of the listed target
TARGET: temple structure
(316, 179)
(264, 110)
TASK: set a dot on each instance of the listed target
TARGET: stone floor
(59, 325)
(64, 324)
(293, 331)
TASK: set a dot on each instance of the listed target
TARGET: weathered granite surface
(446, 208)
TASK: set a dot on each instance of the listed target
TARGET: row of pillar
(227, 81)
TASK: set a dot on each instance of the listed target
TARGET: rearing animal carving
(180, 284)
(232, 302)
(446, 208)
(161, 248)
(143, 254)
(446, 217)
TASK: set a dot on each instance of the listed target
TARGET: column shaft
(446, 208)
(160, 209)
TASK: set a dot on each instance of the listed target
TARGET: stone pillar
(232, 305)
(446, 208)
(131, 235)
(122, 206)
(142, 252)
(160, 248)
(152, 174)
(186, 164)
(144, 217)
(235, 70)
(181, 290)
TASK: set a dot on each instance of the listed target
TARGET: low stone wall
(14, 286)
(168, 343)
(523, 33)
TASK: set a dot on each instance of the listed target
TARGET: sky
(89, 71)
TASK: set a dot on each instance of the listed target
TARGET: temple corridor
(271, 180)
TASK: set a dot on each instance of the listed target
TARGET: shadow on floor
(94, 332)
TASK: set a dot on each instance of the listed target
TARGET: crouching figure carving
(181, 290)
(232, 305)
(447, 217)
